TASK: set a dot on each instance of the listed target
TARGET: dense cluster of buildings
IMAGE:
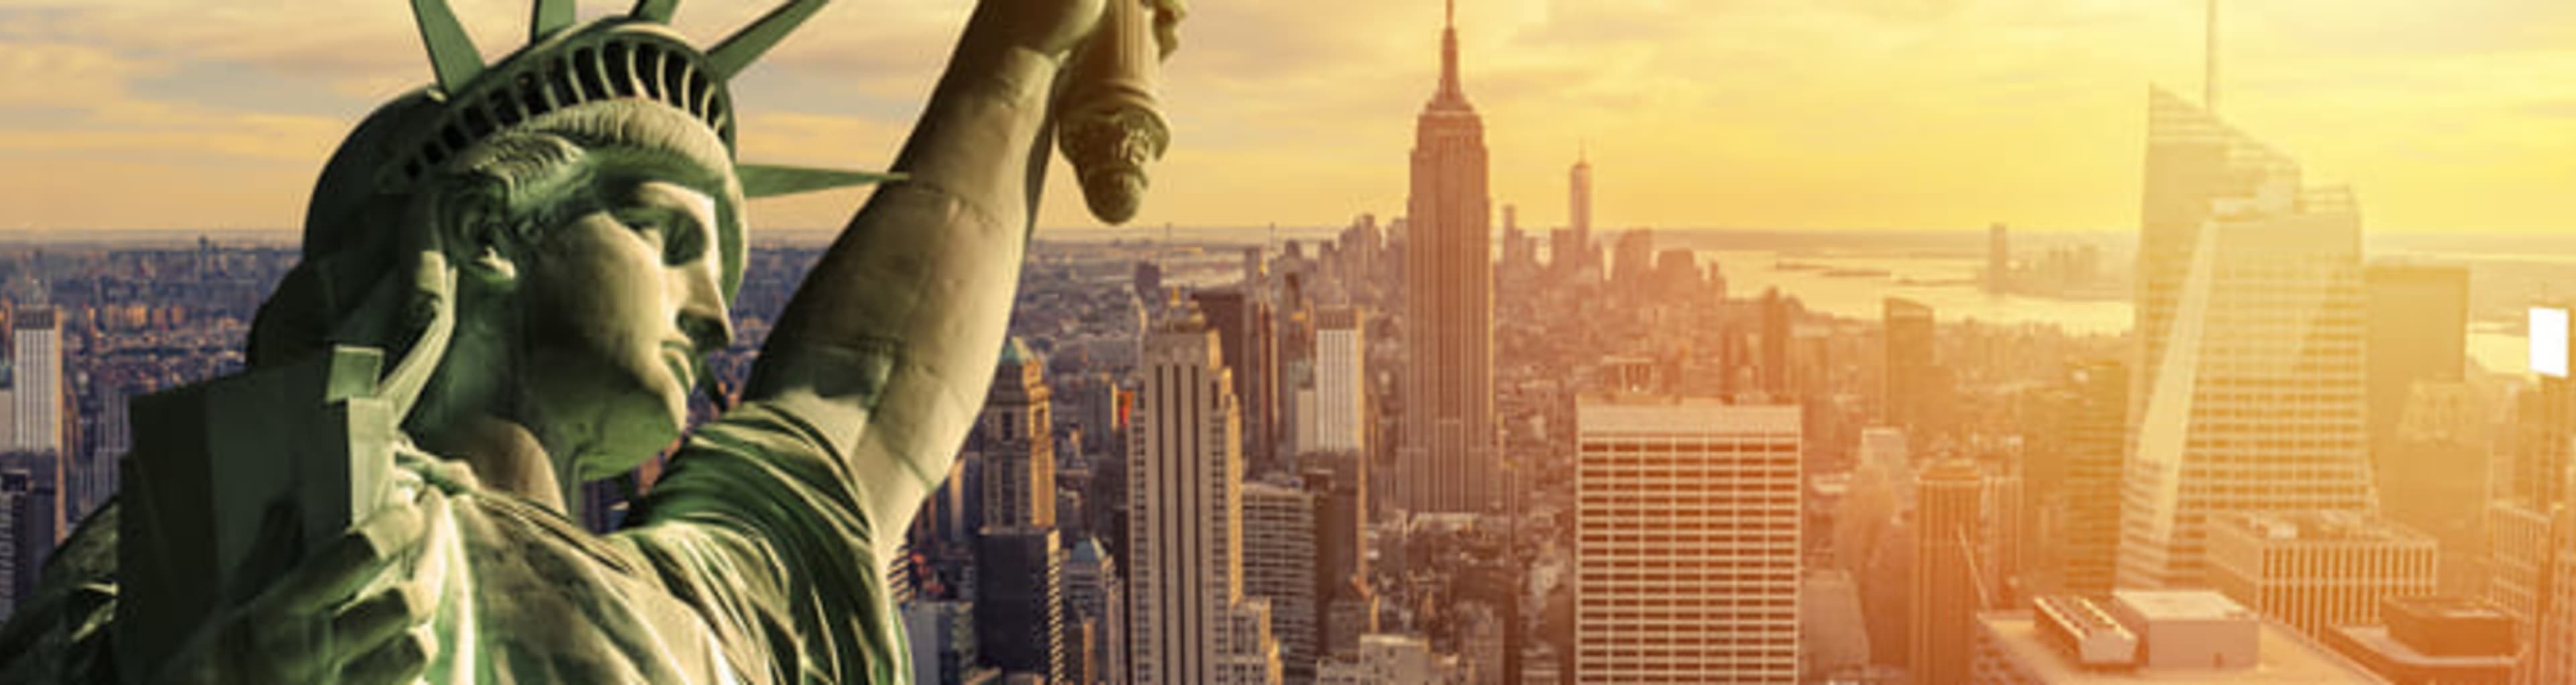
(1410, 455)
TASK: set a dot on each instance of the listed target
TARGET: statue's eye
(678, 234)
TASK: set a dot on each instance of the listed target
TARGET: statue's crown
(635, 55)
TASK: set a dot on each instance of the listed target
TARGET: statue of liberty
(510, 280)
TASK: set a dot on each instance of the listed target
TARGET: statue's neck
(505, 456)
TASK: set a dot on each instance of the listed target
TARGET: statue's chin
(632, 438)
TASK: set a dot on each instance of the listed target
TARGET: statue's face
(621, 300)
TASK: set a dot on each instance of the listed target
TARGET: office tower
(1578, 204)
(1449, 461)
(1338, 486)
(1565, 256)
(1189, 621)
(2553, 653)
(1093, 595)
(2418, 318)
(2142, 636)
(2089, 443)
(1911, 374)
(1946, 582)
(1687, 541)
(2248, 391)
(1341, 417)
(2545, 415)
(2439, 640)
(1677, 274)
(1014, 438)
(1634, 268)
(2318, 570)
(942, 635)
(1018, 564)
(1279, 549)
(1241, 318)
(1520, 251)
(37, 385)
(1998, 260)
(2434, 476)
(1833, 634)
(2523, 556)
(1019, 601)
(31, 520)
(2003, 561)
(1775, 343)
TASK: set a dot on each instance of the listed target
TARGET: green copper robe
(752, 560)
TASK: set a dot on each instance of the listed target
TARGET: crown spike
(739, 50)
(451, 53)
(656, 11)
(771, 180)
(548, 17)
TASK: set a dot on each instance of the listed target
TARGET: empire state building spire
(1446, 459)
(1450, 95)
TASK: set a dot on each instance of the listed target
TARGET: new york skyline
(1847, 114)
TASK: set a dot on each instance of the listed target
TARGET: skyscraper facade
(1449, 460)
(1242, 319)
(1019, 593)
(2248, 391)
(1687, 541)
(1188, 617)
(2319, 571)
(1911, 374)
(36, 358)
(1279, 564)
(1014, 439)
(1947, 528)
(1342, 415)
(2087, 447)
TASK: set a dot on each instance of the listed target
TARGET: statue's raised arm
(891, 342)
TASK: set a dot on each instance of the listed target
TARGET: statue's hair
(533, 175)
(541, 174)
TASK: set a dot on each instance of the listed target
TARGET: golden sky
(2445, 116)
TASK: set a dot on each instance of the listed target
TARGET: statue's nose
(702, 306)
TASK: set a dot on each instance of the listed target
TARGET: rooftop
(2182, 605)
(2284, 658)
(2324, 526)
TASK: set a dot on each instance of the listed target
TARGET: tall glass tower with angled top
(2248, 393)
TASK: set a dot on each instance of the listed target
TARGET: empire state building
(1446, 462)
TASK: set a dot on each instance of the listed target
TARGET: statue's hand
(320, 622)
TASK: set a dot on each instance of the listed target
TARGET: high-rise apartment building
(1189, 621)
(1449, 461)
(2248, 391)
(1687, 541)
(2317, 571)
